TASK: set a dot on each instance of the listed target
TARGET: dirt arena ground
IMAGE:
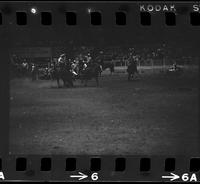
(155, 114)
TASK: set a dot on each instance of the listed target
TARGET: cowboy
(85, 63)
(132, 66)
(81, 65)
(34, 72)
(89, 58)
(62, 59)
(73, 68)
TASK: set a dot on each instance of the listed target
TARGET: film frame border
(182, 162)
(131, 172)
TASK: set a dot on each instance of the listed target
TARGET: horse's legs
(58, 82)
(85, 82)
(101, 70)
(97, 80)
(51, 77)
(70, 82)
(133, 76)
(129, 76)
(111, 70)
(64, 82)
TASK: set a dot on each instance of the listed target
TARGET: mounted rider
(34, 72)
(80, 65)
(74, 68)
(62, 60)
(64, 63)
(132, 66)
(86, 62)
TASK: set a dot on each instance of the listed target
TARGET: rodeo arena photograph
(98, 91)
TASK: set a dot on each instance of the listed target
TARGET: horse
(132, 69)
(90, 72)
(62, 72)
(109, 65)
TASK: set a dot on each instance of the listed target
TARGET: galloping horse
(90, 72)
(63, 72)
(67, 73)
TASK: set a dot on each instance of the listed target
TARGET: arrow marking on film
(80, 176)
(172, 177)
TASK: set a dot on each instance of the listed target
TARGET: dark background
(35, 34)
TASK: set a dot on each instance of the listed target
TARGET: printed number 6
(185, 177)
(95, 176)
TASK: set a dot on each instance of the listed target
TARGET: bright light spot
(89, 10)
(33, 10)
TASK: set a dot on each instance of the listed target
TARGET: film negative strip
(99, 91)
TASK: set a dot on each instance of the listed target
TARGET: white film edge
(99, 91)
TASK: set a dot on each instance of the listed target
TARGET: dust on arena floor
(156, 114)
